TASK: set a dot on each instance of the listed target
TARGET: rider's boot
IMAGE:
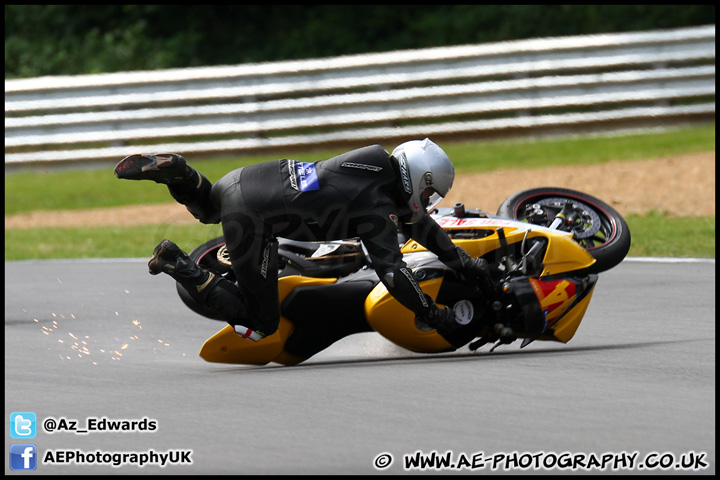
(169, 258)
(212, 291)
(167, 168)
(186, 185)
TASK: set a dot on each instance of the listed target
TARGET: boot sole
(148, 167)
(154, 266)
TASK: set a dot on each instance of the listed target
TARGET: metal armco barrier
(471, 91)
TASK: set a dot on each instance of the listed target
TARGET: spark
(124, 347)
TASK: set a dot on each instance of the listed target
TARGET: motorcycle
(545, 247)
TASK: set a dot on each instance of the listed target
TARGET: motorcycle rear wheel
(209, 255)
(602, 232)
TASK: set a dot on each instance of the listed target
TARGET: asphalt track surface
(104, 340)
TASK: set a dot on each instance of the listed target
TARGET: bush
(79, 39)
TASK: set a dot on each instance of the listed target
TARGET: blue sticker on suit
(303, 176)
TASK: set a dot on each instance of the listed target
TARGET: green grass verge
(586, 150)
(653, 235)
(656, 235)
(101, 242)
(81, 189)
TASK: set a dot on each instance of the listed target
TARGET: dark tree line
(77, 39)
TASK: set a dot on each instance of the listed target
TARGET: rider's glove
(438, 318)
(477, 270)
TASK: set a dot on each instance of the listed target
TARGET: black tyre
(212, 256)
(601, 230)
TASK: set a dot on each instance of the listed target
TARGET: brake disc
(590, 221)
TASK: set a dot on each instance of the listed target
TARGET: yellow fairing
(566, 327)
(396, 323)
(228, 347)
(562, 255)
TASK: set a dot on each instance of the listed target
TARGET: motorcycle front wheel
(600, 229)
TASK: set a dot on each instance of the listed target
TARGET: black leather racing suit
(356, 194)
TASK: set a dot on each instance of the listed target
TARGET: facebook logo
(23, 456)
(23, 425)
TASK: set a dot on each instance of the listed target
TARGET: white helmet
(427, 174)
